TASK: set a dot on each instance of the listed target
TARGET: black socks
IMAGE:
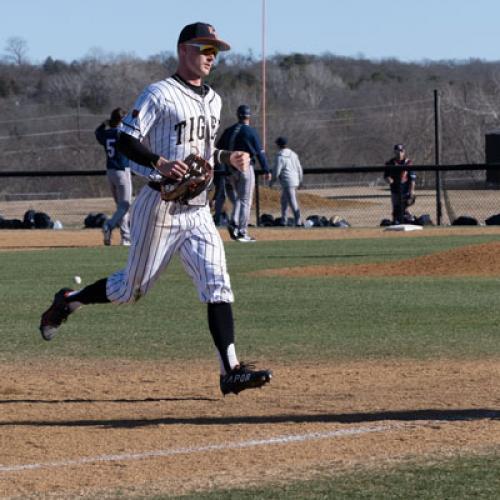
(221, 324)
(92, 294)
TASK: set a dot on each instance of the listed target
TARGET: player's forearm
(134, 150)
(145, 171)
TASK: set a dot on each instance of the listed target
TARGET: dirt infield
(74, 427)
(473, 260)
(36, 239)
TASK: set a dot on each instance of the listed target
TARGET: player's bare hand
(174, 170)
(240, 160)
(268, 176)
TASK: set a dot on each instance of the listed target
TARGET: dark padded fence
(358, 195)
(361, 196)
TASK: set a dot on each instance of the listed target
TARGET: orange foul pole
(264, 74)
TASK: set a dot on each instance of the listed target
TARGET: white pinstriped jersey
(174, 121)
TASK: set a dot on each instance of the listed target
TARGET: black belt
(155, 185)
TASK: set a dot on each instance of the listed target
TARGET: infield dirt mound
(471, 260)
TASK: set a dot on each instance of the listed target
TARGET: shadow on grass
(341, 418)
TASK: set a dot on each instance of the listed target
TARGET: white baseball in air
(77, 280)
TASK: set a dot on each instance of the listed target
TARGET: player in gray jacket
(288, 171)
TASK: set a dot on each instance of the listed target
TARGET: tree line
(335, 111)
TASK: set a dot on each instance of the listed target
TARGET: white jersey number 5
(110, 147)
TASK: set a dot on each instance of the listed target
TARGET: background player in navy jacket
(242, 137)
(118, 174)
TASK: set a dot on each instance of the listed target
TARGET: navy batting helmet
(281, 141)
(243, 111)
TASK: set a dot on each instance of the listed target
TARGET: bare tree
(16, 49)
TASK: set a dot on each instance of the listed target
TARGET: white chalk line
(128, 457)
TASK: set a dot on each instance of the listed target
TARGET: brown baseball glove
(195, 181)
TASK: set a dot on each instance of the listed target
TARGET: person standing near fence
(402, 184)
(288, 171)
(242, 137)
(119, 178)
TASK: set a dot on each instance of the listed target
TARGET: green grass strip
(276, 317)
(459, 478)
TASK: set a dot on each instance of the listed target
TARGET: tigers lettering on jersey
(174, 121)
(196, 129)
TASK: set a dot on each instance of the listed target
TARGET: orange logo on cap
(211, 30)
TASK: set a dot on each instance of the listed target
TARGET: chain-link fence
(358, 195)
(67, 196)
(361, 196)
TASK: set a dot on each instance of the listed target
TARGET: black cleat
(233, 232)
(55, 315)
(244, 377)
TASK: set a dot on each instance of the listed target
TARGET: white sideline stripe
(127, 457)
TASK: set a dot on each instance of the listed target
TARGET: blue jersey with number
(107, 137)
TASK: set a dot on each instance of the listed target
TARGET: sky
(408, 30)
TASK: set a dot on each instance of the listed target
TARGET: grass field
(464, 477)
(287, 320)
(345, 318)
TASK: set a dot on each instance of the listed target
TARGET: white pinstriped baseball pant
(161, 229)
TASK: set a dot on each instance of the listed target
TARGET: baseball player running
(242, 137)
(172, 120)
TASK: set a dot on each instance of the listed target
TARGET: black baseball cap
(399, 147)
(243, 111)
(117, 115)
(281, 141)
(202, 33)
